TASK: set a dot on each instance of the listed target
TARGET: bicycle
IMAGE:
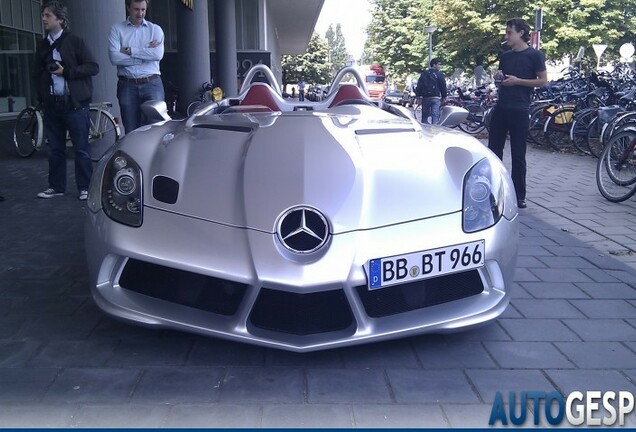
(616, 167)
(205, 95)
(28, 132)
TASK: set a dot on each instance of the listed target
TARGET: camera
(52, 66)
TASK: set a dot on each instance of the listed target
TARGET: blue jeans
(430, 108)
(131, 96)
(60, 117)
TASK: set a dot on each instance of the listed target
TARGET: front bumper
(212, 279)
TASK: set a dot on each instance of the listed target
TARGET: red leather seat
(347, 92)
(260, 94)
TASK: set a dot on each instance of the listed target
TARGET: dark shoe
(522, 204)
(50, 193)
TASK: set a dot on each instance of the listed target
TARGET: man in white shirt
(136, 48)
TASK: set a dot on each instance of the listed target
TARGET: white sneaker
(83, 195)
(49, 193)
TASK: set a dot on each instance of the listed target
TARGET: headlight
(483, 201)
(121, 191)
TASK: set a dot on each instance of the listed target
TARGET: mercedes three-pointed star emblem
(302, 229)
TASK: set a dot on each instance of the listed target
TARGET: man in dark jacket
(63, 69)
(431, 87)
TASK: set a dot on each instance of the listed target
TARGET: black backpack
(427, 84)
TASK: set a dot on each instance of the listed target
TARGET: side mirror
(451, 116)
(155, 111)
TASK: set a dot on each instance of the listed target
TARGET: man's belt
(143, 80)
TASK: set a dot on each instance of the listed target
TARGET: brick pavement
(571, 325)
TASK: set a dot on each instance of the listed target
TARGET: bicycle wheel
(27, 132)
(621, 159)
(474, 122)
(578, 131)
(103, 132)
(607, 187)
(557, 128)
(417, 112)
(537, 122)
(193, 107)
(594, 137)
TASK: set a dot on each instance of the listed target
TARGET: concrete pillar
(226, 58)
(92, 20)
(193, 44)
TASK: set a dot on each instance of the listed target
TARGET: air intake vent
(165, 189)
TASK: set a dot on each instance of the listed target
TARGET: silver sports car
(301, 225)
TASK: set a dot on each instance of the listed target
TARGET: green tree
(471, 29)
(312, 65)
(337, 48)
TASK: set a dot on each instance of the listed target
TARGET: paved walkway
(571, 326)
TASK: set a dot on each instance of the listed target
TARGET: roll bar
(265, 71)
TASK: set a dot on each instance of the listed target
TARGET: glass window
(26, 13)
(16, 13)
(247, 24)
(36, 17)
(5, 12)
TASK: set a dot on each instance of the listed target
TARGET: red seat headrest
(260, 94)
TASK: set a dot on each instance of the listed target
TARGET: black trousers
(514, 122)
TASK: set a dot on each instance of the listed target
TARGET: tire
(557, 128)
(594, 138)
(417, 112)
(621, 158)
(28, 132)
(474, 122)
(537, 121)
(103, 132)
(616, 124)
(607, 187)
(578, 131)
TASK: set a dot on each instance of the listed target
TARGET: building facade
(206, 40)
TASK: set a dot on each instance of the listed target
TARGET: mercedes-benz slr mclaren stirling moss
(301, 225)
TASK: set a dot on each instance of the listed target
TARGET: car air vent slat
(165, 189)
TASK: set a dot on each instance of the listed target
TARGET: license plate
(415, 266)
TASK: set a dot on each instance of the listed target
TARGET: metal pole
(430, 47)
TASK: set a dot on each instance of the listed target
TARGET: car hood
(363, 168)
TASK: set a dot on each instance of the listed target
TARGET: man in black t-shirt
(521, 69)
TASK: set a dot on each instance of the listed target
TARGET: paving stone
(17, 353)
(217, 352)
(348, 386)
(121, 416)
(384, 355)
(177, 385)
(244, 415)
(552, 308)
(25, 384)
(162, 352)
(554, 290)
(263, 385)
(37, 416)
(560, 274)
(602, 329)
(430, 386)
(565, 262)
(455, 354)
(608, 290)
(605, 308)
(314, 359)
(598, 355)
(391, 416)
(468, 415)
(488, 382)
(527, 355)
(73, 354)
(92, 385)
(538, 330)
(584, 380)
(307, 416)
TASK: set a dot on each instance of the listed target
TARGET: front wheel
(103, 132)
(28, 132)
(607, 170)
(474, 122)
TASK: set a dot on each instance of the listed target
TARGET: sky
(353, 16)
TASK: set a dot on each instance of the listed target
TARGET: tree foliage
(312, 66)
(337, 48)
(468, 29)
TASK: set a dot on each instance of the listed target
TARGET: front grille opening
(301, 314)
(197, 291)
(420, 294)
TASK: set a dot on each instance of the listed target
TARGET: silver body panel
(386, 185)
